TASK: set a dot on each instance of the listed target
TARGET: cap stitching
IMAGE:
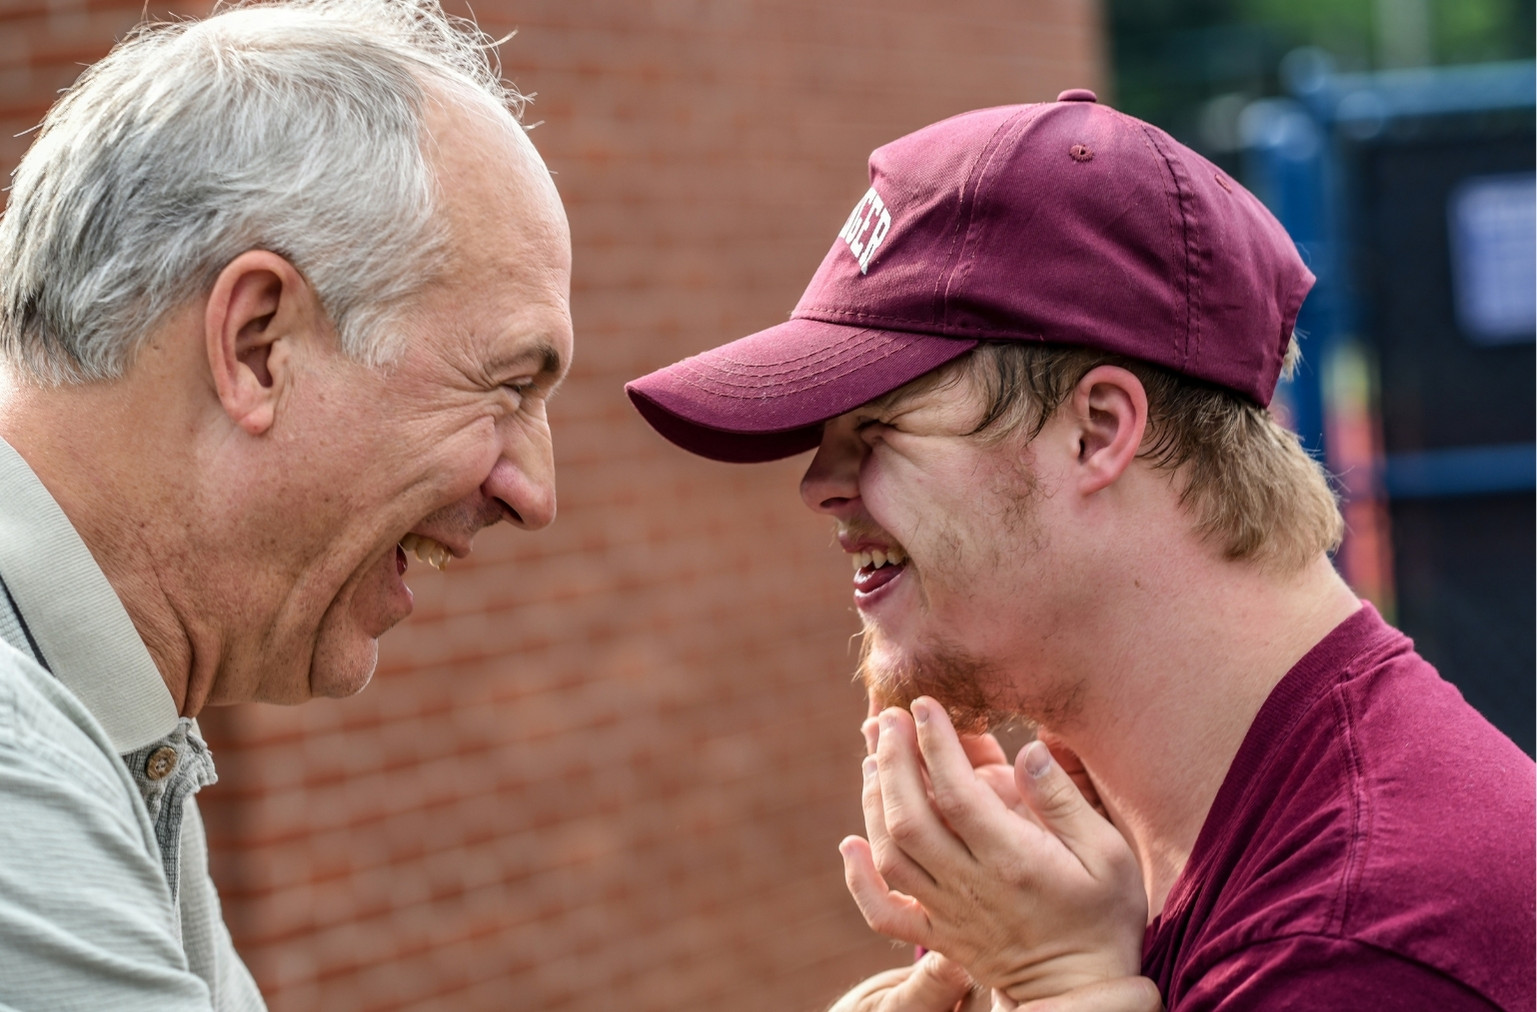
(904, 324)
(1195, 277)
(724, 387)
(798, 362)
(1177, 242)
(965, 207)
(808, 361)
(990, 151)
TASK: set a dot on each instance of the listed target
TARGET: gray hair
(294, 127)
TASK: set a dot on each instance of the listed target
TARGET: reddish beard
(978, 696)
(950, 676)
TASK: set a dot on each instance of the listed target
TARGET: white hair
(295, 127)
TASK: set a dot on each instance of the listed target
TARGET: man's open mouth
(434, 553)
(875, 569)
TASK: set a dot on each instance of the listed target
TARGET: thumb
(936, 984)
(1051, 794)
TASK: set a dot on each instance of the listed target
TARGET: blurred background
(609, 765)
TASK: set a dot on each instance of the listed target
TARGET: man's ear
(1109, 410)
(260, 305)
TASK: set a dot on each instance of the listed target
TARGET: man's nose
(524, 484)
(831, 483)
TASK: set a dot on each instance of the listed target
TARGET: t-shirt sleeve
(86, 917)
(1309, 973)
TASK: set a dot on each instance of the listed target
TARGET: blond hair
(1245, 479)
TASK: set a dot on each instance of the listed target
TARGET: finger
(1051, 794)
(888, 913)
(983, 750)
(935, 986)
(871, 729)
(1124, 994)
(866, 995)
(910, 821)
(1000, 778)
(1074, 767)
(895, 865)
(968, 805)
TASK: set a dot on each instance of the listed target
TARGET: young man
(282, 295)
(1035, 367)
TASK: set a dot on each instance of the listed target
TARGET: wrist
(1057, 977)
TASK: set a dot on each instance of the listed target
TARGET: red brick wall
(607, 765)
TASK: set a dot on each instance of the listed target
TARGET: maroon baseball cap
(1062, 222)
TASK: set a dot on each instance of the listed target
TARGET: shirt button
(160, 763)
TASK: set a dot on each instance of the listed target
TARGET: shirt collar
(75, 616)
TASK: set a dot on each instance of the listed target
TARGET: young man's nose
(831, 483)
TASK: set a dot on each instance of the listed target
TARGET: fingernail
(870, 766)
(921, 711)
(1037, 759)
(871, 729)
(888, 722)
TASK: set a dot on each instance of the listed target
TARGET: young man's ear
(1109, 409)
(259, 306)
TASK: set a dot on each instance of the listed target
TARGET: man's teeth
(878, 558)
(434, 553)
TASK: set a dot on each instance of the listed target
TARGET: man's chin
(338, 671)
(950, 677)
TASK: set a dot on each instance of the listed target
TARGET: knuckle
(902, 826)
(1061, 795)
(888, 862)
(880, 920)
(950, 802)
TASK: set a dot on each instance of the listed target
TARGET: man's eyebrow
(550, 362)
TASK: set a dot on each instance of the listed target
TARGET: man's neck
(1181, 673)
(93, 448)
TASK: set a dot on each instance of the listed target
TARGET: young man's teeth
(877, 558)
(434, 553)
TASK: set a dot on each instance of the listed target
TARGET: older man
(283, 294)
(1035, 368)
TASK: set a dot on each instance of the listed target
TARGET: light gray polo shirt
(105, 899)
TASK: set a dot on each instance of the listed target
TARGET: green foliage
(1171, 57)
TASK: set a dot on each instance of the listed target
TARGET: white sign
(1494, 257)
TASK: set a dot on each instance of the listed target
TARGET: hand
(1034, 898)
(990, 764)
(933, 984)
(1128, 994)
(993, 768)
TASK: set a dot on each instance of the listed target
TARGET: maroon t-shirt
(1371, 848)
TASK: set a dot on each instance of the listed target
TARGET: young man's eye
(871, 428)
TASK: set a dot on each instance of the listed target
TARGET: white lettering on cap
(866, 228)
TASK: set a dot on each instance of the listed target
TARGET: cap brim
(766, 395)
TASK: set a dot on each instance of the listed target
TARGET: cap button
(1077, 95)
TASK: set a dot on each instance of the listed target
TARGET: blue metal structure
(1411, 196)
(1293, 162)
